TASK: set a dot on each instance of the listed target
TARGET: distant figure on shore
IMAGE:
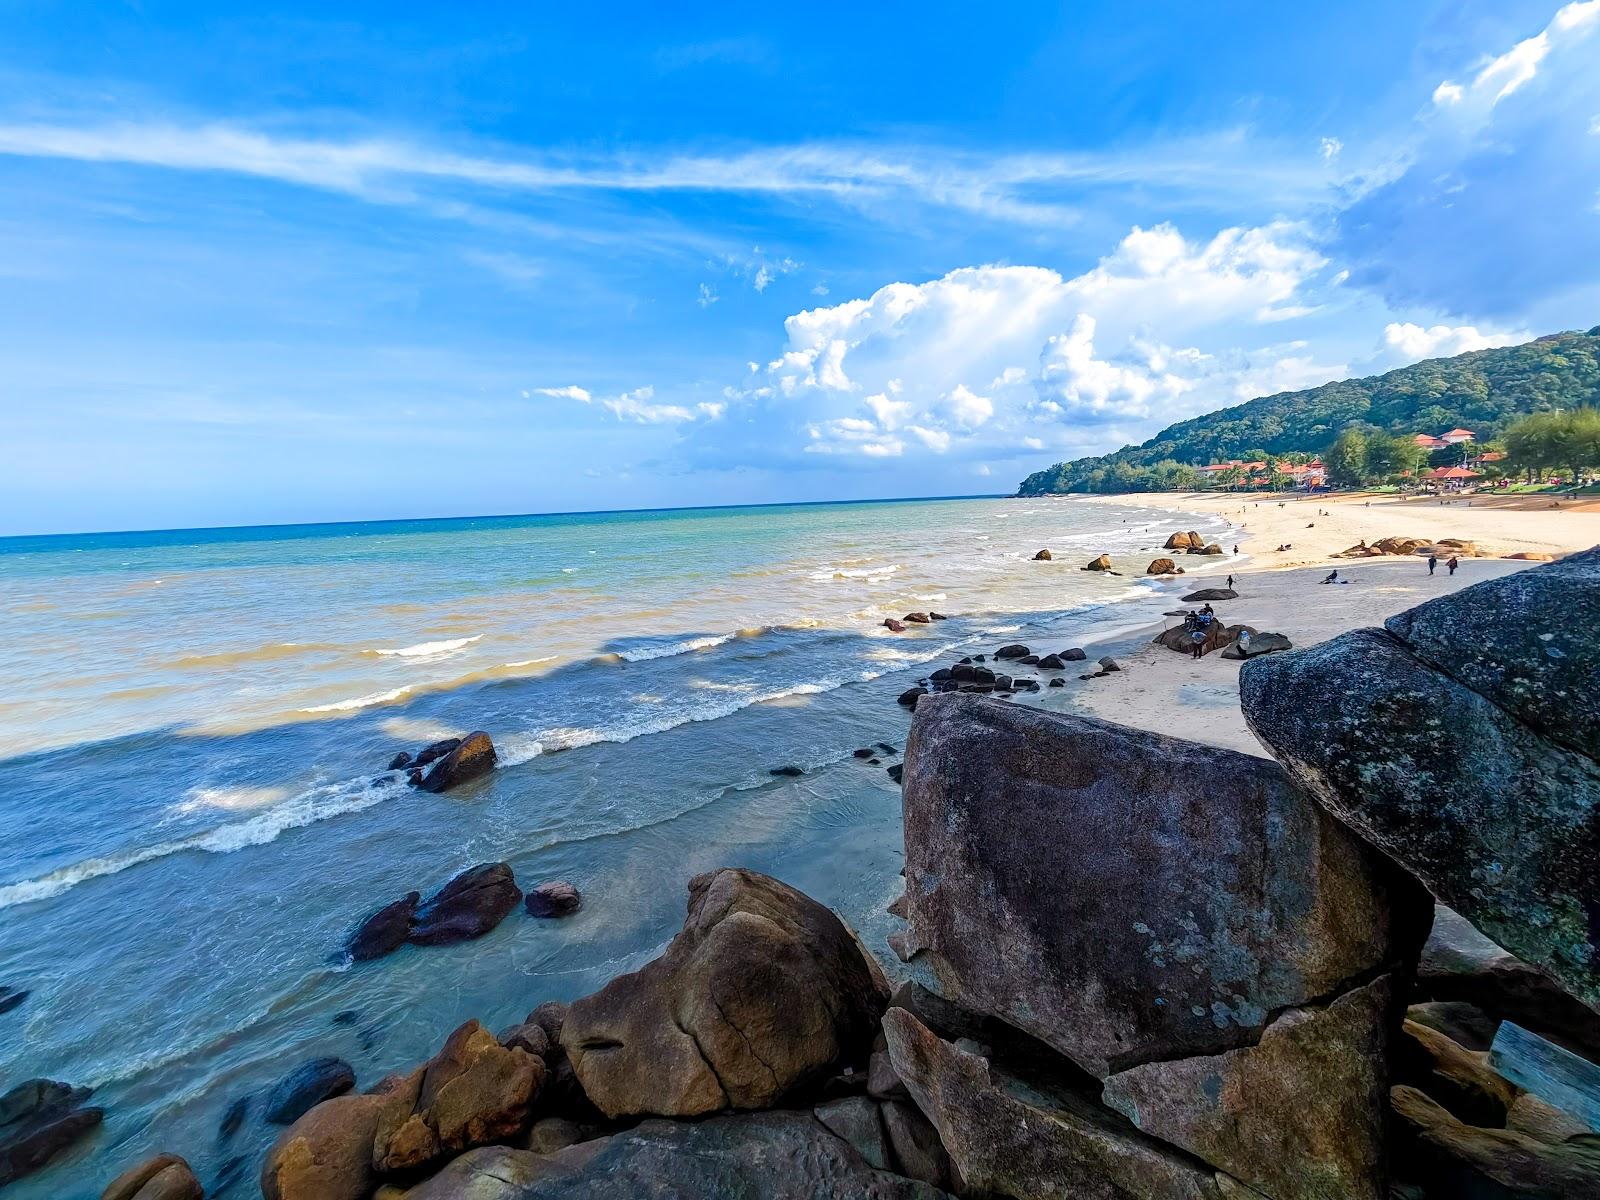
(1230, 582)
(1433, 564)
(1453, 564)
(1236, 547)
(1333, 576)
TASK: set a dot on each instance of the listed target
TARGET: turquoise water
(195, 726)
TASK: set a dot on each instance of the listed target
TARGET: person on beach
(1207, 613)
(1453, 564)
(1230, 583)
(1433, 564)
(1333, 577)
(1197, 641)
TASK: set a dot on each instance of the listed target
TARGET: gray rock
(1498, 821)
(40, 1120)
(1526, 641)
(756, 1156)
(385, 930)
(558, 898)
(856, 1120)
(1127, 897)
(1075, 654)
(1008, 1139)
(1221, 593)
(1257, 644)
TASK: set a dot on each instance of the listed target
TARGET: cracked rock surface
(763, 990)
(1462, 743)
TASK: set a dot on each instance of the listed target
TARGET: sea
(195, 727)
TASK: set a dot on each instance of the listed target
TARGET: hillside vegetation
(1484, 391)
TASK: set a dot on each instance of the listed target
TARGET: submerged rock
(1042, 556)
(763, 990)
(403, 759)
(41, 1119)
(475, 756)
(467, 907)
(893, 626)
(11, 997)
(307, 1085)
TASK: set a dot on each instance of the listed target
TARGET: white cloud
(1505, 74)
(933, 368)
(1331, 148)
(636, 406)
(708, 296)
(1410, 342)
(565, 393)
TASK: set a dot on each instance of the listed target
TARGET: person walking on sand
(1433, 563)
(1453, 564)
(1230, 583)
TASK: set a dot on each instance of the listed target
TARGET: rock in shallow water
(164, 1177)
(308, 1084)
(475, 756)
(558, 898)
(41, 1119)
(467, 907)
(385, 930)
(762, 991)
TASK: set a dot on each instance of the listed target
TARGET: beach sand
(1168, 692)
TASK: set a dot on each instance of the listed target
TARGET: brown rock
(164, 1177)
(1532, 556)
(893, 626)
(1323, 1065)
(467, 907)
(326, 1154)
(550, 1134)
(558, 898)
(1456, 1159)
(1459, 1079)
(475, 756)
(1103, 563)
(527, 1037)
(1184, 541)
(1533, 1117)
(1042, 556)
(914, 1144)
(1161, 566)
(762, 991)
(474, 1091)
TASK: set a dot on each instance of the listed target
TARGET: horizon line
(575, 512)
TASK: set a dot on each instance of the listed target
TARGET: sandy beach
(1171, 693)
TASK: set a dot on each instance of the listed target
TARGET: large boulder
(164, 1177)
(385, 930)
(1526, 641)
(1133, 900)
(473, 1092)
(1161, 566)
(326, 1154)
(1103, 563)
(1042, 556)
(1184, 541)
(1498, 815)
(1453, 1158)
(1256, 645)
(1221, 593)
(1008, 1139)
(307, 1085)
(467, 907)
(475, 756)
(40, 1120)
(762, 991)
(754, 1156)
(1218, 637)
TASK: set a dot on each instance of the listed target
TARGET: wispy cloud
(1029, 187)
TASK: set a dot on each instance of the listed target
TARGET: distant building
(1451, 478)
(1456, 436)
(1428, 442)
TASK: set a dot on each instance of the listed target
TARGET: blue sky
(347, 262)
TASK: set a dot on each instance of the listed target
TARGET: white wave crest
(424, 649)
(309, 807)
(356, 702)
(688, 647)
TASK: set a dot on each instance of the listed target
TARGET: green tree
(1346, 459)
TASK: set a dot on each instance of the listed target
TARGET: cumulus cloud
(1410, 342)
(997, 361)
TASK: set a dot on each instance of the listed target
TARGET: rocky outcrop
(1464, 774)
(467, 907)
(1247, 927)
(1103, 563)
(1218, 637)
(1161, 566)
(1221, 593)
(475, 756)
(894, 626)
(1184, 541)
(558, 898)
(308, 1084)
(770, 1156)
(1042, 556)
(385, 930)
(39, 1121)
(1212, 549)
(1006, 1138)
(764, 990)
(164, 1177)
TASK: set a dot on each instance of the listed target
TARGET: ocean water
(194, 810)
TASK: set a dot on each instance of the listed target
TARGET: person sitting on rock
(1207, 612)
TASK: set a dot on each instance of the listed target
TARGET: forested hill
(1484, 391)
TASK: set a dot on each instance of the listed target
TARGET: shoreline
(1320, 527)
